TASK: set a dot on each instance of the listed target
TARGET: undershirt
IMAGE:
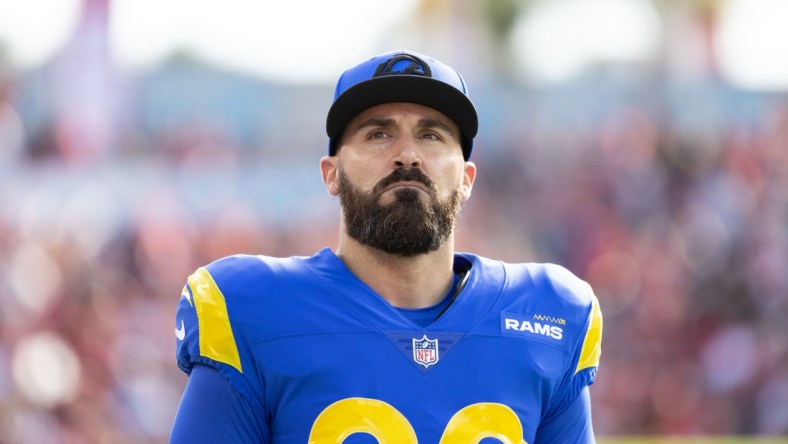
(427, 315)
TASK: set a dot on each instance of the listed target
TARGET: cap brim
(408, 89)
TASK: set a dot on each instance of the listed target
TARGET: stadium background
(642, 144)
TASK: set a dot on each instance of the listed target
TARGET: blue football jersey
(321, 357)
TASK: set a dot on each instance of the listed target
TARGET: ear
(329, 168)
(468, 178)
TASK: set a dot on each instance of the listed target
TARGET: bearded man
(393, 337)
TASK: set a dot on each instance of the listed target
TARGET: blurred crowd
(676, 212)
(671, 200)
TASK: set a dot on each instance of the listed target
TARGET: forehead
(404, 111)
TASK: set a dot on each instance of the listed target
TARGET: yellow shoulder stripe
(216, 335)
(592, 344)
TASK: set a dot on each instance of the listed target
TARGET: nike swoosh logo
(180, 333)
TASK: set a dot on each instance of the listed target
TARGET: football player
(392, 337)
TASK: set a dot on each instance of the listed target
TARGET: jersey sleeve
(571, 426)
(209, 332)
(591, 348)
(212, 411)
(587, 350)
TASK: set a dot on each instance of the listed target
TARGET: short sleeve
(203, 327)
(586, 360)
(208, 334)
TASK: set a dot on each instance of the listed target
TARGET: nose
(406, 154)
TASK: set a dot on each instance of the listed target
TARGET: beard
(405, 227)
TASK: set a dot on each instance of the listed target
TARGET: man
(393, 338)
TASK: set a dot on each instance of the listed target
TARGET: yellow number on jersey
(484, 420)
(363, 415)
(353, 415)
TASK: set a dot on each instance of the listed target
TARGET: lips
(407, 184)
(406, 178)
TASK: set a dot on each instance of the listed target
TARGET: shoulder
(562, 296)
(212, 301)
(538, 295)
(220, 298)
(556, 281)
(550, 282)
(245, 269)
(219, 311)
(251, 292)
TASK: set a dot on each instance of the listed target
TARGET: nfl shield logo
(425, 351)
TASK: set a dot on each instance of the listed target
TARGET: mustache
(404, 175)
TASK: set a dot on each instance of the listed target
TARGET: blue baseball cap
(402, 76)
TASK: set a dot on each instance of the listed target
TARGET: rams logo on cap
(403, 64)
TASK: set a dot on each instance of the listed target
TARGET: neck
(406, 282)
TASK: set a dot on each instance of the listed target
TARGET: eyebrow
(435, 123)
(373, 122)
(388, 123)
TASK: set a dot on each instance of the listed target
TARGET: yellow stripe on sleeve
(216, 335)
(592, 344)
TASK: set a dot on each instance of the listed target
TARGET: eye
(431, 135)
(377, 134)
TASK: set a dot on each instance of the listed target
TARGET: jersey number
(363, 415)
